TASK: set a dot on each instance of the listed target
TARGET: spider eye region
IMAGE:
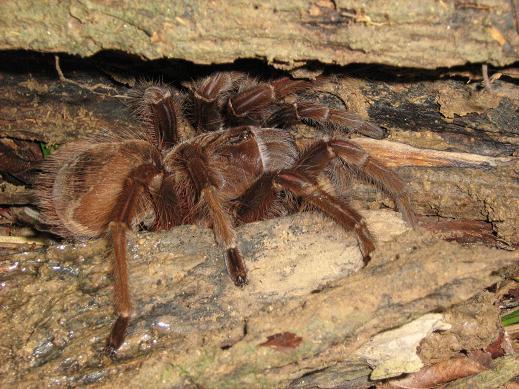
(241, 137)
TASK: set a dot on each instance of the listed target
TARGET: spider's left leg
(290, 114)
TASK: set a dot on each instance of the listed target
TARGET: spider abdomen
(83, 183)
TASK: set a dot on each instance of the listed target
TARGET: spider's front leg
(122, 215)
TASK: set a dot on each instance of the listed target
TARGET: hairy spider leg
(347, 217)
(165, 118)
(317, 156)
(159, 108)
(208, 94)
(251, 105)
(290, 114)
(222, 223)
(375, 171)
(134, 187)
(258, 201)
(301, 181)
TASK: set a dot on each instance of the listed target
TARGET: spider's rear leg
(313, 161)
(335, 208)
(357, 159)
(290, 114)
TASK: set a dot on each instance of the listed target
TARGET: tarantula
(241, 166)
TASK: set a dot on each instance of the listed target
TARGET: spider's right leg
(359, 161)
(356, 160)
(261, 202)
(335, 208)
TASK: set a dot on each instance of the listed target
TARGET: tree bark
(425, 34)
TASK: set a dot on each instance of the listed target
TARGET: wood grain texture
(192, 326)
(426, 34)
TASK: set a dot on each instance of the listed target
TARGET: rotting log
(192, 326)
(455, 145)
(421, 34)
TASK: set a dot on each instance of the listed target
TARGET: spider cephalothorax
(219, 156)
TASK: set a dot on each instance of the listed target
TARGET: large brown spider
(241, 166)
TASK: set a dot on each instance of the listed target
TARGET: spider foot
(366, 259)
(241, 281)
(117, 335)
(236, 267)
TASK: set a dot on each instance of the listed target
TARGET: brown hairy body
(241, 165)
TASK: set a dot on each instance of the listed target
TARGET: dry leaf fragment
(440, 373)
(284, 341)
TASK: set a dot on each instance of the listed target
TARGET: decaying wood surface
(422, 34)
(308, 306)
(192, 326)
